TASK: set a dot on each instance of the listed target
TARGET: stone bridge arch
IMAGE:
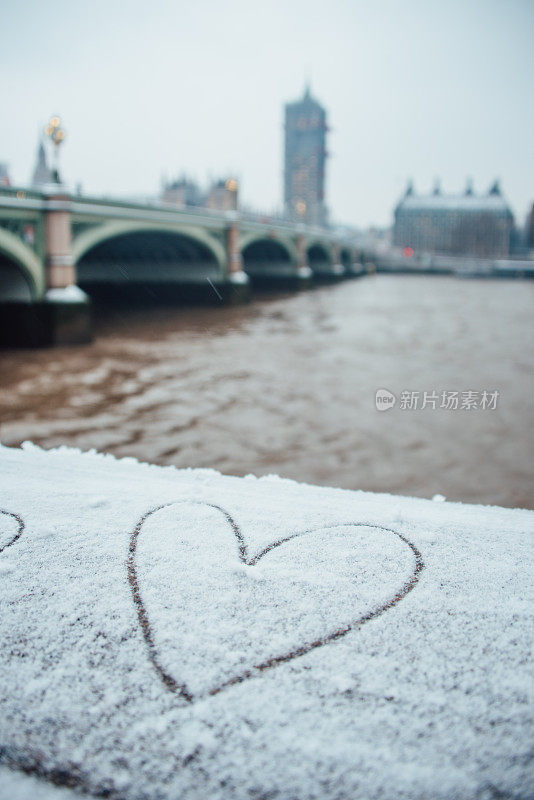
(268, 257)
(22, 274)
(198, 255)
(321, 258)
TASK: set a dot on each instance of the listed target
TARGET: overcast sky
(413, 88)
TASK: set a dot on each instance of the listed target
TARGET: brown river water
(287, 385)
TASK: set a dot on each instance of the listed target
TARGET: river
(287, 385)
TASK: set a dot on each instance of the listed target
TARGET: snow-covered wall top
(181, 634)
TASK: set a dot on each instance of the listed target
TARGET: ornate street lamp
(56, 134)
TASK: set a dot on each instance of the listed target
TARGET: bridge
(57, 250)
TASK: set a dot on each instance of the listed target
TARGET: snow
(69, 294)
(240, 277)
(182, 634)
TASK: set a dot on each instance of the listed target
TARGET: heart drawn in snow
(210, 620)
(10, 536)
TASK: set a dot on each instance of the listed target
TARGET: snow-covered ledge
(178, 633)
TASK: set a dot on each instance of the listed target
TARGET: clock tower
(304, 163)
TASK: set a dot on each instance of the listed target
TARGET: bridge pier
(304, 273)
(237, 287)
(355, 267)
(67, 312)
(338, 267)
(63, 314)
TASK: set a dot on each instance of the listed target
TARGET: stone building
(183, 192)
(305, 159)
(463, 224)
(223, 195)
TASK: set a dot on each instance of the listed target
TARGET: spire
(437, 187)
(469, 191)
(42, 173)
(307, 90)
(409, 188)
(495, 188)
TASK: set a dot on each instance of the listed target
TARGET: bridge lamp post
(56, 134)
(232, 186)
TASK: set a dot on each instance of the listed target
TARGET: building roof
(467, 201)
(307, 101)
